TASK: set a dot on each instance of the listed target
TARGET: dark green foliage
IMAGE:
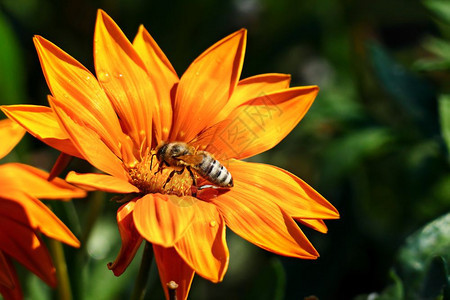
(375, 143)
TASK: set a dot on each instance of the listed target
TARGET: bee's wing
(191, 159)
(208, 135)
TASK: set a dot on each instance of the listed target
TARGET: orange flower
(23, 217)
(137, 102)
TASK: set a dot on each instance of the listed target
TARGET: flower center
(152, 177)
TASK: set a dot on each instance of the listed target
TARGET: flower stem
(140, 285)
(64, 289)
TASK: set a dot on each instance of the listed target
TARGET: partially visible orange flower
(23, 217)
(117, 119)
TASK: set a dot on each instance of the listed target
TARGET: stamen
(152, 177)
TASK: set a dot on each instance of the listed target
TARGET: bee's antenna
(151, 161)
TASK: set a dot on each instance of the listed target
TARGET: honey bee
(180, 154)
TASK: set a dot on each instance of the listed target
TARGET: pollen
(151, 177)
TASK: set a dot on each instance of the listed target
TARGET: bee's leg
(168, 178)
(194, 181)
(171, 175)
(161, 164)
(151, 161)
(207, 186)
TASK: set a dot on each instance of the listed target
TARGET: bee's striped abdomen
(214, 171)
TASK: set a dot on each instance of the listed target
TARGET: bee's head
(161, 150)
(176, 150)
(166, 151)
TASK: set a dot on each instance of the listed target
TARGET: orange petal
(14, 294)
(41, 122)
(131, 240)
(20, 242)
(87, 141)
(163, 76)
(10, 135)
(71, 83)
(263, 223)
(203, 245)
(39, 217)
(6, 272)
(318, 225)
(206, 86)
(171, 267)
(261, 123)
(102, 182)
(9, 290)
(251, 88)
(34, 182)
(61, 163)
(291, 193)
(160, 220)
(123, 75)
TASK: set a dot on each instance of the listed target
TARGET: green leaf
(393, 291)
(12, 81)
(431, 64)
(441, 8)
(416, 255)
(436, 279)
(270, 284)
(444, 114)
(438, 47)
(441, 49)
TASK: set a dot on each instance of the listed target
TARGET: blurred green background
(375, 142)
